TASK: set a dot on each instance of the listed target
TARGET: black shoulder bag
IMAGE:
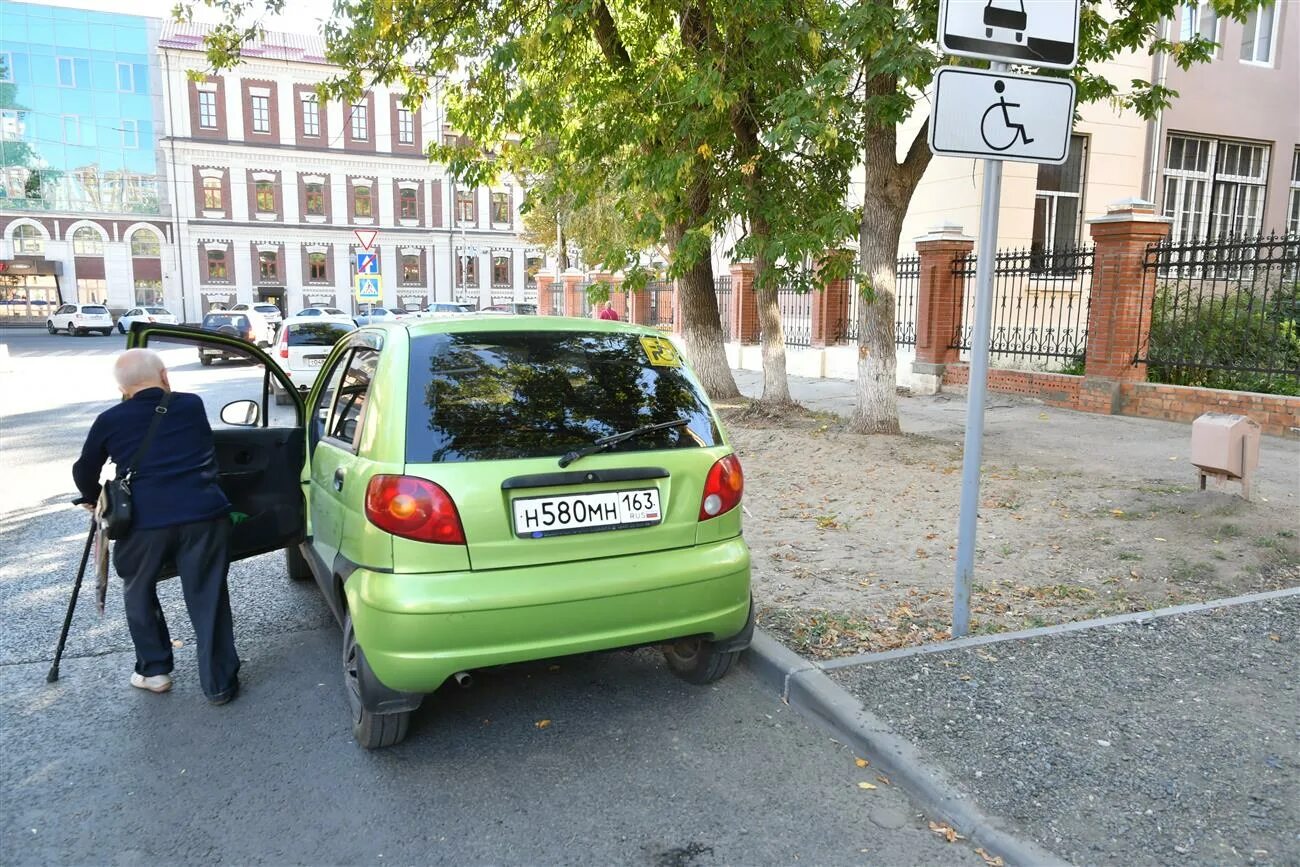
(116, 512)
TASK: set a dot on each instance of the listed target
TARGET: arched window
(87, 242)
(145, 243)
(29, 240)
(410, 268)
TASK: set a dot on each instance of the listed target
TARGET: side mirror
(241, 413)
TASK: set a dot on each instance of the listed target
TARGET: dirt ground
(854, 537)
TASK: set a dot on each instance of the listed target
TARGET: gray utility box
(1226, 447)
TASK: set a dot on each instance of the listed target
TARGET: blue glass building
(79, 111)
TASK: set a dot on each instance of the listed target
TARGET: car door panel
(259, 472)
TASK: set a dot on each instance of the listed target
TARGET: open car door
(259, 442)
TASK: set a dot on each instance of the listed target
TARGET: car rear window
(158, 310)
(95, 310)
(316, 333)
(481, 395)
(213, 321)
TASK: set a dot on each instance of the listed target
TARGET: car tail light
(413, 509)
(284, 344)
(723, 488)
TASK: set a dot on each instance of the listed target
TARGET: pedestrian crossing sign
(369, 288)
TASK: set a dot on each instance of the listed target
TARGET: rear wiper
(613, 439)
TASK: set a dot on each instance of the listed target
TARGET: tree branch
(918, 155)
(607, 36)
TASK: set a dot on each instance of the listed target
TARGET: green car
(487, 490)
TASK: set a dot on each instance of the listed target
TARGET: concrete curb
(805, 687)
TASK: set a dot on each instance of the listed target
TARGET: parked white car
(302, 347)
(144, 314)
(332, 313)
(80, 319)
(269, 311)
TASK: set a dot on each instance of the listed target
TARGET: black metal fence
(796, 316)
(1224, 313)
(1040, 303)
(552, 299)
(722, 288)
(907, 290)
(661, 304)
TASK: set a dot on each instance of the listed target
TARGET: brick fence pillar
(1119, 311)
(572, 280)
(545, 279)
(940, 301)
(638, 305)
(830, 313)
(744, 303)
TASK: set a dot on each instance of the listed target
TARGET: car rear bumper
(419, 629)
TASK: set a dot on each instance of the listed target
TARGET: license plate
(536, 517)
(314, 360)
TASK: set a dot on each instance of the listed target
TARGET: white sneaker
(153, 683)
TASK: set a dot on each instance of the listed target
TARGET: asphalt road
(632, 767)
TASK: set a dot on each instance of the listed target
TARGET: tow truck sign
(1033, 32)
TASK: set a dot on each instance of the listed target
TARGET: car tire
(296, 565)
(205, 360)
(698, 660)
(120, 329)
(49, 326)
(76, 332)
(374, 731)
(106, 332)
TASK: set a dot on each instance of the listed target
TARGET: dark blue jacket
(176, 482)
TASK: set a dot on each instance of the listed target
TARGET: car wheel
(372, 730)
(77, 332)
(697, 660)
(49, 326)
(296, 564)
(205, 360)
(120, 328)
(107, 332)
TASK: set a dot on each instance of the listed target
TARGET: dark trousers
(199, 553)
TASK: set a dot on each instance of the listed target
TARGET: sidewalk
(1143, 738)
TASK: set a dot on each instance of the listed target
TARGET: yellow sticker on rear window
(661, 352)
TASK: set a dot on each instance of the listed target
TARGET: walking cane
(72, 604)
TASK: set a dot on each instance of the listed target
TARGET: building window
(126, 78)
(317, 267)
(360, 122)
(501, 208)
(92, 290)
(500, 270)
(71, 129)
(29, 241)
(1258, 34)
(316, 199)
(67, 72)
(6, 67)
(265, 194)
(465, 206)
(405, 126)
(145, 243)
(1293, 213)
(466, 269)
(408, 204)
(1058, 206)
(148, 293)
(208, 109)
(1214, 188)
(87, 242)
(1198, 19)
(268, 265)
(532, 264)
(310, 115)
(212, 196)
(361, 202)
(410, 268)
(217, 265)
(261, 114)
(130, 133)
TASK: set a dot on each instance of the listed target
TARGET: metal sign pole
(977, 389)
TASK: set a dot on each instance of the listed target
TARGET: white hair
(138, 367)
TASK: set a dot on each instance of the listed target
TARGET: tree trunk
(776, 385)
(877, 406)
(697, 304)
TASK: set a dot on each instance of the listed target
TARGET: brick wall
(1277, 415)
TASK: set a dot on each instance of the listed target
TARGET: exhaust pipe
(463, 679)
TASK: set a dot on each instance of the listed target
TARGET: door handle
(339, 476)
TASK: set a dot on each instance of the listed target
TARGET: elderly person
(608, 312)
(180, 517)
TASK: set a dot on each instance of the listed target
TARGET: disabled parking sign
(998, 116)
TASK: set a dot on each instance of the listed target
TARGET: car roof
(318, 320)
(513, 322)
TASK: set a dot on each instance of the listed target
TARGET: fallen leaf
(946, 832)
(866, 785)
(991, 860)
(1161, 539)
(1118, 513)
(964, 677)
(176, 642)
(861, 763)
(542, 723)
(1273, 636)
(883, 779)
